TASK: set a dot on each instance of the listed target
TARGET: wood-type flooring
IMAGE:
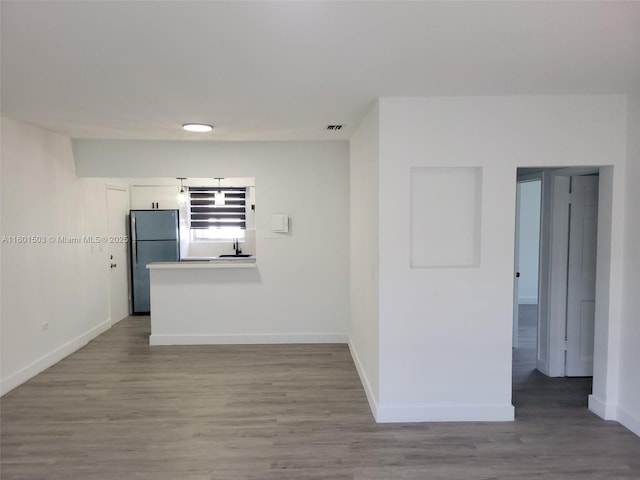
(120, 409)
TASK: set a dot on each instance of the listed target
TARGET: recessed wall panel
(445, 217)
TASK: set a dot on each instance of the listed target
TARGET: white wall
(445, 333)
(304, 275)
(629, 396)
(62, 285)
(363, 327)
(529, 238)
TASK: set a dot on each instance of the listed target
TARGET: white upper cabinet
(154, 197)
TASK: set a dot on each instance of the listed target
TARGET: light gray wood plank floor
(119, 409)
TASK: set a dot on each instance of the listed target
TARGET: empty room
(348, 240)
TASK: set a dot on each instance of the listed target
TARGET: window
(217, 213)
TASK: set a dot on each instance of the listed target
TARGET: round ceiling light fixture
(197, 127)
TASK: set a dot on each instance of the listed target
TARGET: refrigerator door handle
(134, 239)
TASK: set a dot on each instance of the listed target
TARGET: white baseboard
(630, 421)
(603, 410)
(527, 300)
(445, 413)
(373, 404)
(607, 411)
(40, 365)
(248, 339)
(428, 413)
(597, 406)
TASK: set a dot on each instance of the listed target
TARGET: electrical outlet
(45, 326)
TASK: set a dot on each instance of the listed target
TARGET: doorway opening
(555, 285)
(526, 261)
(526, 279)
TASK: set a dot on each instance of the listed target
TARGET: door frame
(611, 184)
(125, 189)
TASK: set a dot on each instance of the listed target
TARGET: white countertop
(243, 262)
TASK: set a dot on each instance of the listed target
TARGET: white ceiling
(284, 70)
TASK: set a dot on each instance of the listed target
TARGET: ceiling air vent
(334, 127)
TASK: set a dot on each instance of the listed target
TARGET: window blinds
(205, 212)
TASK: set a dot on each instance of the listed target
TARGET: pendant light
(182, 195)
(219, 198)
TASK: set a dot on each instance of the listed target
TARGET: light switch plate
(280, 223)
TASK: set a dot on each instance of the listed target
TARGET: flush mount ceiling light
(197, 127)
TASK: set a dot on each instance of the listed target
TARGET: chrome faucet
(236, 247)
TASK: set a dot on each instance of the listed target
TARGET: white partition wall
(445, 334)
(628, 404)
(364, 255)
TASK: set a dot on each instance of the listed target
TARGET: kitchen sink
(232, 255)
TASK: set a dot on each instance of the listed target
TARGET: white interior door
(527, 248)
(581, 276)
(117, 209)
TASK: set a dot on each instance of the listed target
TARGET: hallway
(535, 394)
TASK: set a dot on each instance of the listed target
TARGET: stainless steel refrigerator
(155, 237)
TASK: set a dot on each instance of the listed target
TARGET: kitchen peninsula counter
(206, 264)
(201, 302)
(235, 301)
